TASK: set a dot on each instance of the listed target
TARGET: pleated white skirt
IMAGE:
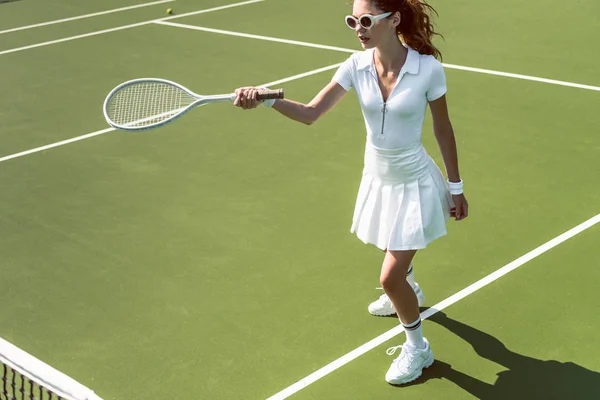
(403, 201)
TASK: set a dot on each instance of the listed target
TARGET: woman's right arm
(308, 114)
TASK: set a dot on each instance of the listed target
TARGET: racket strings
(146, 103)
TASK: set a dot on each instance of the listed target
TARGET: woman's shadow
(524, 378)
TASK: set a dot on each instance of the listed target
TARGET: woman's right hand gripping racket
(143, 104)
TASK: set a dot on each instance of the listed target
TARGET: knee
(388, 281)
(393, 277)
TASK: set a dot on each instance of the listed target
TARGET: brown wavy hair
(416, 28)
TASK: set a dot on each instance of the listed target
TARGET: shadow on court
(525, 377)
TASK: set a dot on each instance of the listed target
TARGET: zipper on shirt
(383, 112)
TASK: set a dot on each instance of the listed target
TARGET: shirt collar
(411, 65)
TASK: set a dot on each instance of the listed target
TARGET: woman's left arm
(444, 134)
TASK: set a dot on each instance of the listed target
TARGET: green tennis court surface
(212, 259)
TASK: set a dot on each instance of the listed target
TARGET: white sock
(414, 334)
(410, 276)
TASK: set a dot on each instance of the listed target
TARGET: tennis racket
(148, 103)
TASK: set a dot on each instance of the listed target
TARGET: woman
(403, 200)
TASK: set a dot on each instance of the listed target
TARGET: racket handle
(270, 94)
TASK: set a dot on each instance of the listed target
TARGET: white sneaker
(383, 306)
(409, 365)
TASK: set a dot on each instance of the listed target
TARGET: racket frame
(176, 114)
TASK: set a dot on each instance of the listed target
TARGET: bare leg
(393, 280)
(416, 353)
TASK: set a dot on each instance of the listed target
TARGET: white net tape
(24, 377)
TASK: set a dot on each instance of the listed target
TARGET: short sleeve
(344, 74)
(437, 82)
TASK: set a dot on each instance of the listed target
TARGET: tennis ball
(169, 11)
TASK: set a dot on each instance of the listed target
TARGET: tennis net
(24, 377)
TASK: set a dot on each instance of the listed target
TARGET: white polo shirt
(397, 122)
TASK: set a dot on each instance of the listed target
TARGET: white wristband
(455, 187)
(267, 103)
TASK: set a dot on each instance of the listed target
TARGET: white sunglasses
(366, 20)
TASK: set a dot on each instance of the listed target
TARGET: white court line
(525, 77)
(67, 39)
(341, 49)
(100, 132)
(33, 46)
(305, 74)
(247, 35)
(304, 382)
(67, 141)
(60, 21)
(61, 143)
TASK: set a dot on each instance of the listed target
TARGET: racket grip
(270, 94)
